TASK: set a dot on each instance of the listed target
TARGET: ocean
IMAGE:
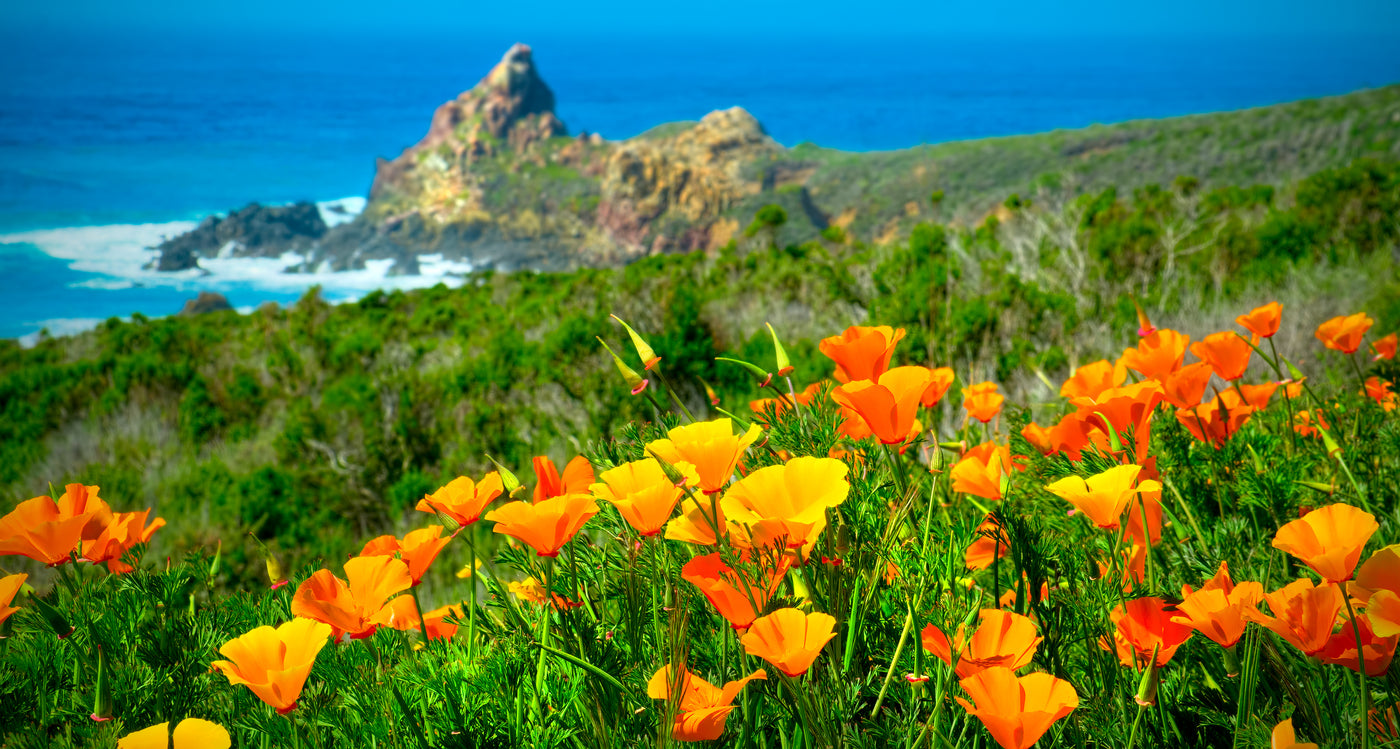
(108, 144)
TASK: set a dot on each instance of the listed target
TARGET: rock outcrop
(252, 231)
(206, 302)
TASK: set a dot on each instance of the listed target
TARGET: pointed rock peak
(515, 77)
(734, 119)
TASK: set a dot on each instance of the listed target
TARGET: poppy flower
(1301, 613)
(982, 471)
(48, 530)
(861, 352)
(418, 549)
(1091, 379)
(1329, 540)
(125, 531)
(1149, 499)
(1217, 609)
(796, 494)
(982, 401)
(642, 493)
(1131, 561)
(1340, 649)
(1226, 353)
(463, 499)
(1104, 496)
(1142, 626)
(1283, 737)
(1258, 396)
(1217, 421)
(729, 590)
(9, 586)
(1262, 321)
(710, 446)
(578, 476)
(1385, 347)
(1003, 640)
(1377, 587)
(942, 380)
(702, 707)
(531, 591)
(888, 405)
(274, 663)
(1379, 391)
(1017, 711)
(547, 525)
(191, 733)
(761, 406)
(789, 639)
(438, 628)
(358, 607)
(991, 544)
(1157, 355)
(1126, 408)
(1041, 438)
(1186, 387)
(1304, 424)
(1344, 333)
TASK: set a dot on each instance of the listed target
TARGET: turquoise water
(122, 136)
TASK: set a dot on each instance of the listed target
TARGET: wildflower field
(1110, 472)
(1180, 555)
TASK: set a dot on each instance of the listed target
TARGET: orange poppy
(125, 531)
(1344, 333)
(1091, 379)
(1385, 347)
(888, 405)
(406, 619)
(982, 401)
(1283, 737)
(991, 544)
(1126, 408)
(1302, 614)
(1379, 391)
(1262, 321)
(274, 663)
(779, 405)
(1215, 422)
(1329, 540)
(1041, 438)
(982, 471)
(853, 425)
(1185, 387)
(1017, 711)
(358, 607)
(1149, 499)
(463, 499)
(1377, 587)
(1303, 422)
(1226, 353)
(710, 446)
(861, 352)
(418, 549)
(942, 380)
(1133, 562)
(9, 586)
(729, 590)
(789, 639)
(642, 493)
(702, 707)
(531, 591)
(796, 494)
(578, 476)
(1340, 649)
(191, 733)
(1259, 395)
(1157, 355)
(1003, 640)
(1103, 497)
(547, 525)
(1217, 609)
(1144, 625)
(48, 531)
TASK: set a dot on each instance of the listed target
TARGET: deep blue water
(118, 131)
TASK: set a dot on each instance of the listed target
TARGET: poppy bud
(649, 357)
(1147, 688)
(764, 376)
(634, 381)
(274, 572)
(218, 556)
(1258, 461)
(710, 393)
(784, 364)
(102, 699)
(1293, 372)
(448, 522)
(673, 474)
(1145, 327)
(55, 620)
(1232, 663)
(508, 480)
(1328, 489)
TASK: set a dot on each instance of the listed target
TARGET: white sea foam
(60, 326)
(342, 211)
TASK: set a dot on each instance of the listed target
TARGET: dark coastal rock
(207, 301)
(252, 231)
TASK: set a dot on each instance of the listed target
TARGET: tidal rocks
(207, 301)
(252, 231)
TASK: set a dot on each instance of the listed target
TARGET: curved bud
(648, 356)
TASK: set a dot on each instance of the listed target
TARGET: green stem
(1361, 672)
(894, 661)
(1132, 735)
(471, 612)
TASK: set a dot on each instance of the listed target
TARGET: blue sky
(719, 17)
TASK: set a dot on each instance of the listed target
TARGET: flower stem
(1360, 671)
